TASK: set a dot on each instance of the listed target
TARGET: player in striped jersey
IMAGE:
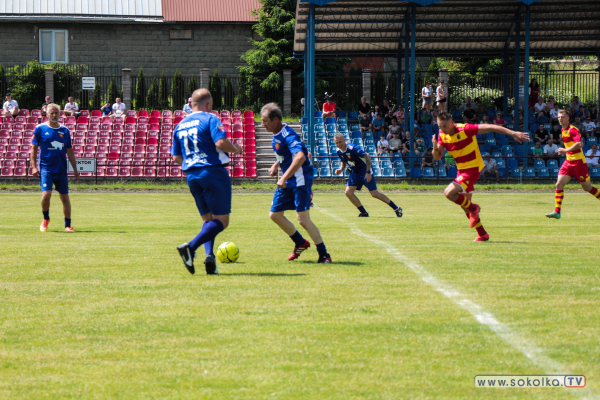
(461, 142)
(574, 166)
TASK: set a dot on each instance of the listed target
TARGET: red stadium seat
(167, 128)
(78, 140)
(24, 113)
(236, 113)
(100, 171)
(153, 135)
(131, 113)
(155, 127)
(143, 113)
(142, 127)
(237, 127)
(18, 127)
(115, 141)
(96, 120)
(70, 120)
(114, 148)
(36, 113)
(106, 127)
(142, 120)
(28, 134)
(238, 142)
(249, 150)
(249, 142)
(161, 172)
(215, 113)
(21, 120)
(164, 156)
(248, 114)
(84, 113)
(164, 148)
(153, 141)
(112, 171)
(167, 121)
(140, 141)
(117, 128)
(81, 127)
(175, 171)
(96, 113)
(128, 141)
(107, 120)
(250, 172)
(178, 113)
(225, 114)
(20, 171)
(249, 128)
(238, 172)
(82, 120)
(153, 121)
(7, 171)
(237, 120)
(5, 134)
(89, 155)
(155, 113)
(129, 135)
(104, 134)
(139, 149)
(8, 163)
(27, 140)
(116, 134)
(94, 127)
(124, 171)
(130, 127)
(91, 141)
(177, 120)
(89, 148)
(118, 120)
(226, 120)
(250, 135)
(238, 134)
(127, 149)
(137, 172)
(149, 172)
(151, 149)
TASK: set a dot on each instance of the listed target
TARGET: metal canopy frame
(438, 28)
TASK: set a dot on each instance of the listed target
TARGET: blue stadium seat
(336, 164)
(529, 172)
(515, 172)
(400, 172)
(594, 172)
(321, 150)
(553, 172)
(369, 142)
(376, 172)
(497, 155)
(374, 163)
(352, 115)
(539, 163)
(533, 127)
(452, 171)
(319, 128)
(333, 151)
(346, 135)
(318, 114)
(502, 141)
(547, 126)
(482, 148)
(304, 127)
(320, 135)
(543, 173)
(384, 155)
(442, 172)
(368, 134)
(511, 164)
(457, 115)
(354, 127)
(398, 164)
(542, 120)
(331, 128)
(330, 135)
(415, 172)
(510, 126)
(386, 164)
(342, 128)
(370, 149)
(552, 164)
(428, 172)
(490, 135)
(427, 128)
(331, 142)
(321, 142)
(500, 164)
(591, 140)
(323, 172)
(304, 120)
(324, 163)
(388, 172)
(356, 135)
(305, 136)
(340, 114)
(508, 119)
(490, 143)
(506, 149)
(358, 142)
(329, 120)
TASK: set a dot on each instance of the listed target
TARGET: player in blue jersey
(295, 185)
(201, 147)
(359, 164)
(54, 143)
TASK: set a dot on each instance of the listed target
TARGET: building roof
(83, 10)
(209, 11)
(461, 28)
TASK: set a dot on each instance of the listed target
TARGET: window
(53, 46)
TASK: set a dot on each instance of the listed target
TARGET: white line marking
(531, 351)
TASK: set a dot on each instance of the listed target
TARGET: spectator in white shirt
(551, 150)
(119, 108)
(427, 93)
(442, 96)
(10, 107)
(554, 114)
(71, 108)
(540, 105)
(383, 145)
(187, 109)
(592, 155)
(463, 107)
(588, 127)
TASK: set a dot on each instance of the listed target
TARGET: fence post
(598, 75)
(366, 83)
(444, 76)
(204, 78)
(50, 83)
(126, 81)
(287, 92)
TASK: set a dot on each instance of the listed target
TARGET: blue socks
(208, 233)
(67, 222)
(322, 249)
(46, 214)
(297, 238)
(362, 210)
(208, 247)
(391, 204)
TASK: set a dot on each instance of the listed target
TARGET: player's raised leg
(561, 182)
(455, 193)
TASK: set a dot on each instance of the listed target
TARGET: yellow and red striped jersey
(462, 146)
(571, 136)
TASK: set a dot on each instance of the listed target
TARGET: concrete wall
(213, 46)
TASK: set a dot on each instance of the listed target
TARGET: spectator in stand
(490, 167)
(385, 111)
(406, 144)
(119, 108)
(394, 128)
(539, 106)
(442, 96)
(576, 103)
(107, 110)
(383, 146)
(583, 113)
(10, 107)
(463, 107)
(363, 108)
(44, 107)
(379, 123)
(427, 93)
(481, 112)
(541, 118)
(499, 120)
(469, 115)
(555, 133)
(187, 109)
(541, 135)
(551, 150)
(328, 108)
(434, 116)
(592, 155)
(597, 130)
(374, 112)
(593, 113)
(554, 114)
(71, 108)
(425, 115)
(485, 119)
(521, 121)
(419, 147)
(549, 104)
(365, 123)
(395, 144)
(427, 159)
(399, 114)
(538, 152)
(589, 127)
(577, 124)
(534, 92)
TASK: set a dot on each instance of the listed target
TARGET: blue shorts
(297, 198)
(60, 182)
(359, 181)
(211, 188)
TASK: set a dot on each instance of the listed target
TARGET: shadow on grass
(74, 232)
(334, 262)
(262, 274)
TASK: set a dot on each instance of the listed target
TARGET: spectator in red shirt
(328, 108)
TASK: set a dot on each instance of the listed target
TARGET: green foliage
(215, 90)
(84, 100)
(229, 94)
(140, 91)
(27, 85)
(97, 96)
(3, 85)
(163, 95)
(178, 90)
(433, 74)
(152, 98)
(241, 100)
(391, 89)
(191, 87)
(112, 92)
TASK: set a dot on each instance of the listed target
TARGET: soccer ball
(228, 252)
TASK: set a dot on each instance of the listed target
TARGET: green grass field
(110, 311)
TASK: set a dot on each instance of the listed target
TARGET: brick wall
(213, 46)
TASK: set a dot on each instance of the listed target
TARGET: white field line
(531, 351)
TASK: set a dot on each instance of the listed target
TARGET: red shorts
(575, 169)
(467, 178)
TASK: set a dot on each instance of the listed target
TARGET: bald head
(200, 99)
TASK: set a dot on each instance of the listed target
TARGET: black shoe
(326, 259)
(211, 265)
(187, 256)
(363, 214)
(398, 212)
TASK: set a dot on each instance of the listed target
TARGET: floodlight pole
(517, 56)
(526, 76)
(413, 108)
(406, 77)
(309, 77)
(505, 82)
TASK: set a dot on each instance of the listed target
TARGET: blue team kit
(53, 144)
(203, 162)
(296, 194)
(354, 157)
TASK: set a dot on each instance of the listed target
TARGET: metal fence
(244, 93)
(25, 82)
(162, 92)
(68, 82)
(347, 89)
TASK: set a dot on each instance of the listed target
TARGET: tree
(433, 72)
(163, 95)
(140, 91)
(178, 90)
(27, 84)
(97, 96)
(215, 90)
(191, 87)
(2, 79)
(152, 99)
(112, 93)
(241, 100)
(229, 94)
